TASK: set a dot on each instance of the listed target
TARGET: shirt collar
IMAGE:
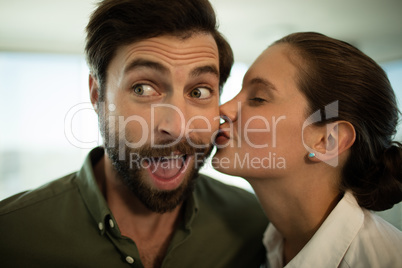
(96, 202)
(328, 245)
(90, 191)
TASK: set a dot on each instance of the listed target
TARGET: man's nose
(171, 120)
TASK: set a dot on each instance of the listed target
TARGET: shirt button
(130, 260)
(100, 226)
(111, 223)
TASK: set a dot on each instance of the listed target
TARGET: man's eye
(200, 93)
(144, 90)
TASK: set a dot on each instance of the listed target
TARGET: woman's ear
(346, 135)
(332, 140)
(94, 92)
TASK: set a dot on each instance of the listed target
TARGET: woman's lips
(222, 137)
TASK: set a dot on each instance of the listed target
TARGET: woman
(311, 130)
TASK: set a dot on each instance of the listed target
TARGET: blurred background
(47, 124)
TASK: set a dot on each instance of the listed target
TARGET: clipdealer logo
(117, 126)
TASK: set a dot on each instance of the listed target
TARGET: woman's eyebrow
(262, 81)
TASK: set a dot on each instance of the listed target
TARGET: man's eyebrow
(262, 81)
(142, 63)
(211, 69)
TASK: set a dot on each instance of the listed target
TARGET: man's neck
(150, 231)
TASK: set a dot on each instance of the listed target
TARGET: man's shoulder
(45, 193)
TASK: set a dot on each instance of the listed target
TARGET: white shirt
(350, 237)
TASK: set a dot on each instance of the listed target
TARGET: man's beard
(132, 176)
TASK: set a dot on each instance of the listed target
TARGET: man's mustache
(169, 148)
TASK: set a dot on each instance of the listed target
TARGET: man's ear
(332, 140)
(94, 92)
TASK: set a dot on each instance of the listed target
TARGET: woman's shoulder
(376, 229)
(378, 243)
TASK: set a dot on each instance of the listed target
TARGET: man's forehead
(198, 47)
(169, 51)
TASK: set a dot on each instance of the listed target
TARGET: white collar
(328, 245)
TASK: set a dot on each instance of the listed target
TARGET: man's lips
(168, 173)
(167, 166)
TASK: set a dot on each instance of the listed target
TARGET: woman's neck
(296, 206)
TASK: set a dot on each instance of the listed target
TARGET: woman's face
(262, 135)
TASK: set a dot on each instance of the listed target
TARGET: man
(157, 68)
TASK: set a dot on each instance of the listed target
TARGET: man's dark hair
(116, 23)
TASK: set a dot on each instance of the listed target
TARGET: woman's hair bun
(387, 173)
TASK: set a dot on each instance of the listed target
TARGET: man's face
(161, 115)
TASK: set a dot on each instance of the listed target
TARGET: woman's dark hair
(116, 23)
(331, 70)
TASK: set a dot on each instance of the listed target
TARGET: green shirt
(67, 223)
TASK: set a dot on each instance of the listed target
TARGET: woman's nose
(229, 110)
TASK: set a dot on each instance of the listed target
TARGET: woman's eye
(144, 90)
(259, 100)
(200, 93)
